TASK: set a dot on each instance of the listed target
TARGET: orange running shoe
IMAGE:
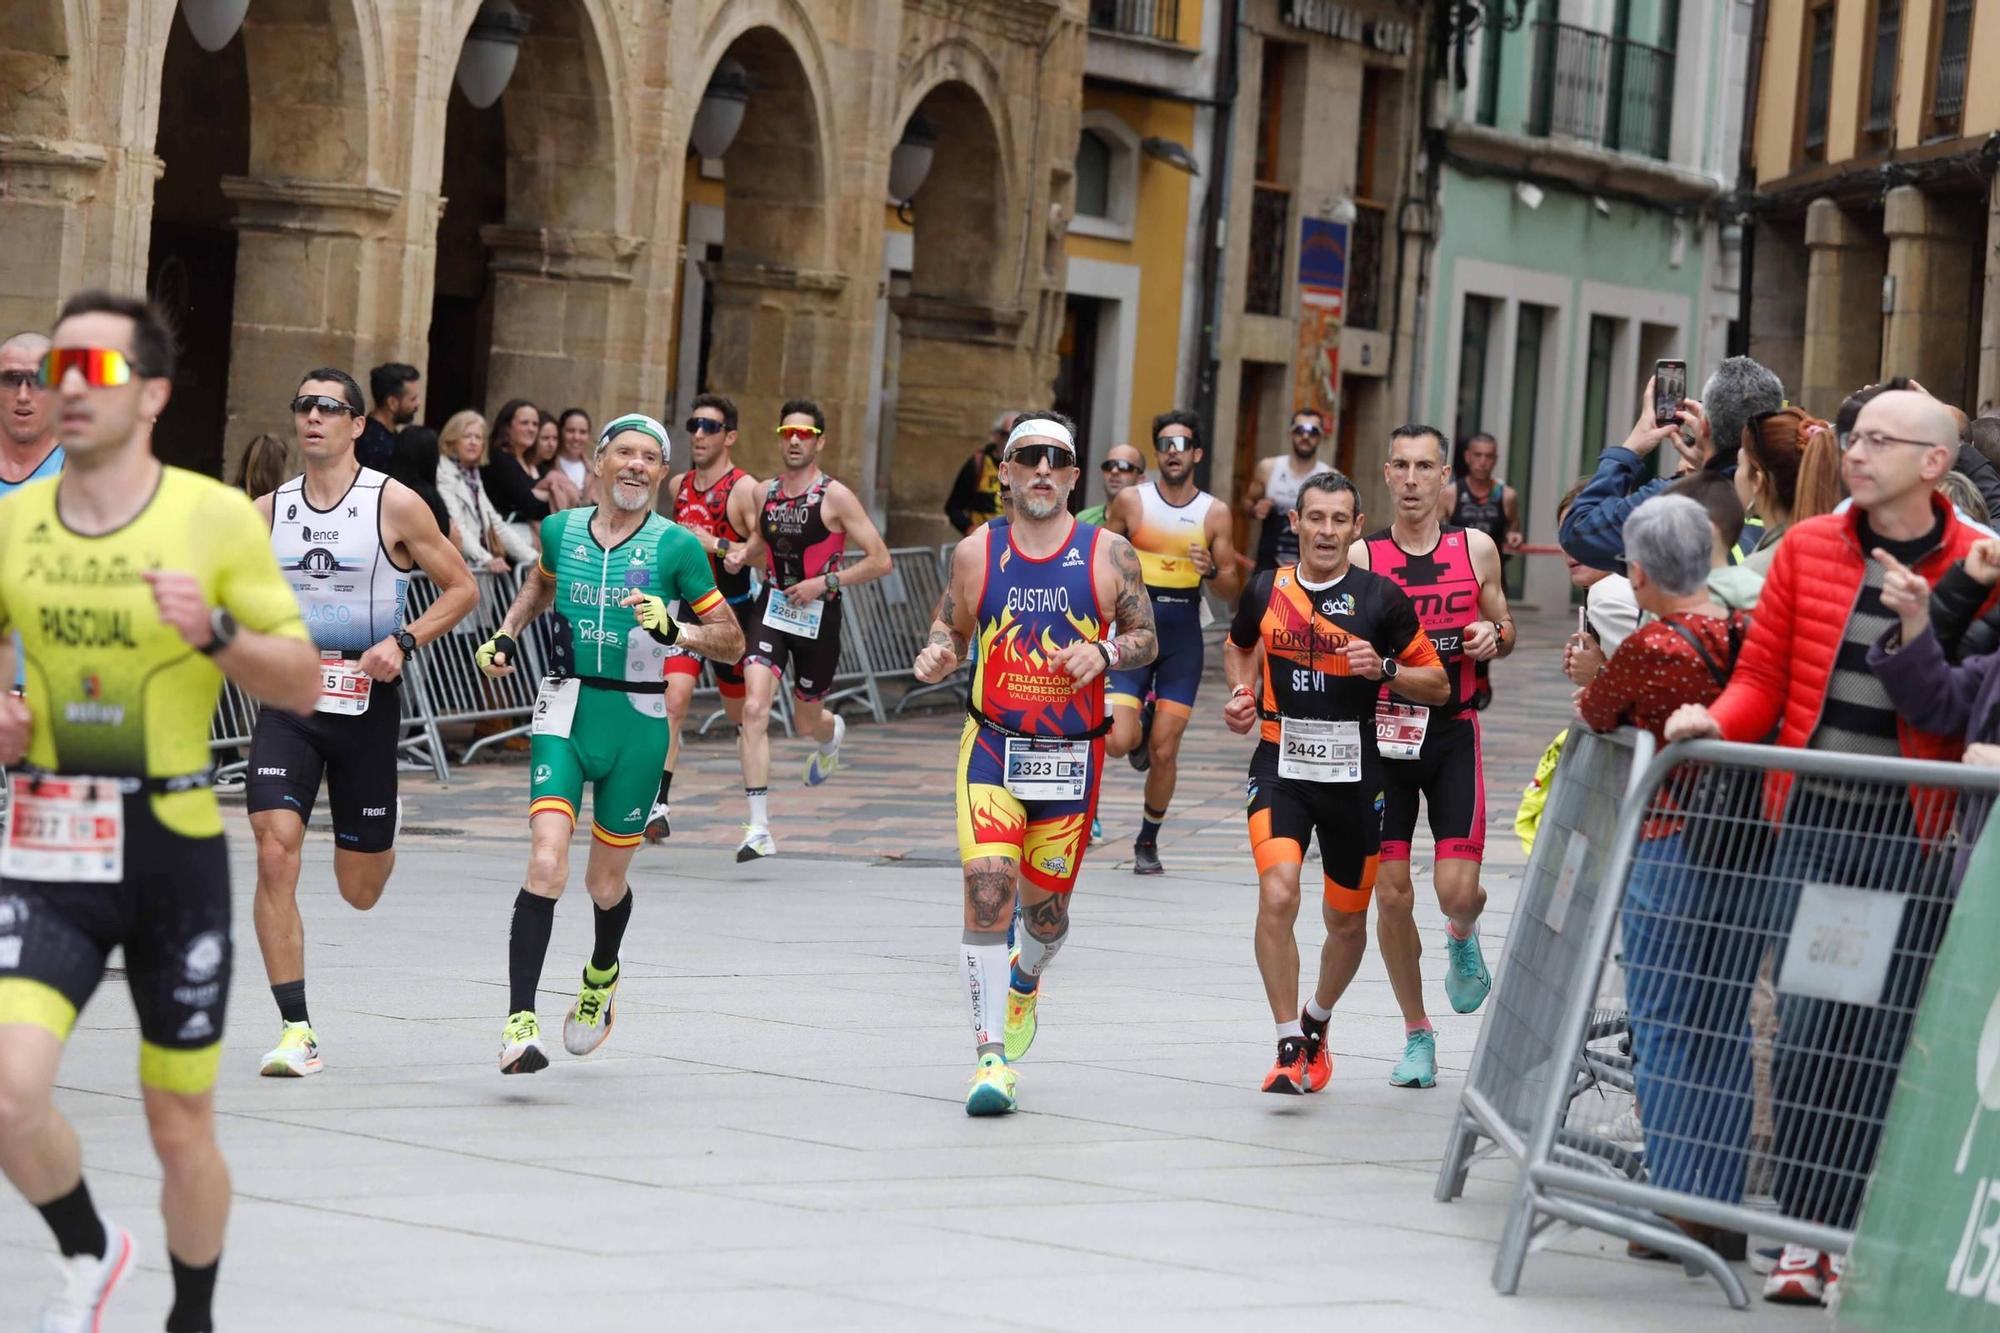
(1319, 1060)
(1288, 1075)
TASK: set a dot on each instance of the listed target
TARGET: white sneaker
(756, 842)
(87, 1283)
(822, 762)
(296, 1054)
(658, 829)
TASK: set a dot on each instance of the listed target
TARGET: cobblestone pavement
(774, 1137)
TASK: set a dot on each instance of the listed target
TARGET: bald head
(1117, 479)
(24, 404)
(1125, 453)
(1909, 415)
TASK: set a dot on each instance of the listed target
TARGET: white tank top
(1164, 534)
(349, 590)
(1283, 487)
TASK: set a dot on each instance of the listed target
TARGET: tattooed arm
(952, 624)
(1137, 643)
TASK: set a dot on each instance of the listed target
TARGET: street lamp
(213, 22)
(910, 160)
(720, 114)
(486, 60)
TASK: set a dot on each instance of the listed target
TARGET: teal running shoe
(992, 1091)
(1466, 980)
(1419, 1065)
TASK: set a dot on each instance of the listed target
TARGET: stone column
(1934, 261)
(959, 359)
(46, 188)
(1843, 340)
(780, 332)
(560, 299)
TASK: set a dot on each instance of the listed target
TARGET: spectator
(1716, 494)
(1739, 389)
(397, 402)
(1123, 466)
(1609, 613)
(975, 493)
(1788, 470)
(573, 453)
(1970, 460)
(265, 466)
(510, 474)
(486, 542)
(1963, 492)
(415, 464)
(553, 485)
(1804, 672)
(546, 440)
(1687, 968)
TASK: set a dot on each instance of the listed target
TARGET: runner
(1329, 633)
(136, 588)
(1123, 466)
(1274, 490)
(1182, 534)
(717, 502)
(29, 449)
(805, 520)
(610, 572)
(1480, 502)
(1453, 577)
(1033, 595)
(346, 538)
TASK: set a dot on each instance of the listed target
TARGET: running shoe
(1466, 980)
(1096, 830)
(1146, 859)
(1289, 1075)
(756, 842)
(591, 1017)
(1419, 1065)
(1319, 1060)
(657, 829)
(296, 1054)
(521, 1045)
(1836, 1264)
(1141, 756)
(1021, 1024)
(1799, 1279)
(992, 1091)
(1763, 1260)
(87, 1283)
(822, 762)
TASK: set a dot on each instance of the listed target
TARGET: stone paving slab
(774, 1136)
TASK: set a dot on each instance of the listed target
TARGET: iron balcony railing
(1819, 83)
(1157, 19)
(1882, 78)
(1954, 50)
(1610, 91)
(1270, 218)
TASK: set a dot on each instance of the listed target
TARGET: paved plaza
(774, 1135)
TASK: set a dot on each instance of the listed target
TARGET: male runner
(1123, 466)
(1033, 596)
(1453, 577)
(611, 573)
(29, 449)
(135, 588)
(1274, 490)
(1182, 534)
(1333, 637)
(346, 538)
(717, 502)
(1484, 504)
(802, 526)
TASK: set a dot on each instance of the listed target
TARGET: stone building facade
(319, 192)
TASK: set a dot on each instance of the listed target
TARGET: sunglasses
(13, 381)
(1034, 455)
(306, 402)
(1120, 465)
(1306, 428)
(1174, 444)
(797, 433)
(101, 367)
(707, 426)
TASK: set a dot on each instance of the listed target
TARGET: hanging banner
(1322, 304)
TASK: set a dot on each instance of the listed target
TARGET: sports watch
(221, 630)
(407, 642)
(1390, 666)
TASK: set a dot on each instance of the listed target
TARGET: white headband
(1054, 430)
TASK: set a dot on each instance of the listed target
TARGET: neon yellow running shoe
(295, 1056)
(521, 1045)
(591, 1017)
(1020, 1029)
(992, 1091)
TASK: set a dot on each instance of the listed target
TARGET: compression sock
(194, 1293)
(291, 998)
(760, 816)
(983, 959)
(1149, 827)
(610, 933)
(74, 1220)
(1035, 956)
(1421, 1025)
(666, 785)
(527, 947)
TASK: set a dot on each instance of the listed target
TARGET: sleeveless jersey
(52, 463)
(707, 511)
(1277, 544)
(597, 638)
(1164, 534)
(1488, 516)
(349, 589)
(114, 691)
(1445, 588)
(1030, 610)
(801, 545)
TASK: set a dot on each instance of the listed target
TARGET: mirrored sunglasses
(102, 367)
(706, 426)
(306, 402)
(1034, 455)
(798, 432)
(1119, 465)
(1174, 444)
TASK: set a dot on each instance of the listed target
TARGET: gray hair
(1669, 536)
(1739, 389)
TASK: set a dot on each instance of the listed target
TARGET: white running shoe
(87, 1283)
(521, 1045)
(756, 842)
(822, 762)
(296, 1054)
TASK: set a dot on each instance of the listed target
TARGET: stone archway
(50, 177)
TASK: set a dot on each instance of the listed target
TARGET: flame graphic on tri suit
(1018, 682)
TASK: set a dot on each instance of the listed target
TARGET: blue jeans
(1691, 952)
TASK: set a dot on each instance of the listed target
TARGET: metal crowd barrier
(1736, 942)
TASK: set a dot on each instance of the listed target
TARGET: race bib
(1313, 750)
(555, 706)
(800, 619)
(343, 686)
(1399, 730)
(69, 831)
(1051, 770)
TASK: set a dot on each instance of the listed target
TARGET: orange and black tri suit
(1316, 767)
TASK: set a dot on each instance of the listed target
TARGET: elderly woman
(1687, 972)
(486, 542)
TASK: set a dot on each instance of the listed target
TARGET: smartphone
(1670, 386)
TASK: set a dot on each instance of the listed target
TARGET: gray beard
(1048, 510)
(618, 500)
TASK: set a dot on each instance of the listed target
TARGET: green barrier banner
(1927, 1251)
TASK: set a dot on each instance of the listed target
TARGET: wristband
(1242, 689)
(1112, 655)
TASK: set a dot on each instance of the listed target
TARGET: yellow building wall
(1778, 89)
(1982, 90)
(1913, 83)
(1158, 245)
(1852, 44)
(1190, 29)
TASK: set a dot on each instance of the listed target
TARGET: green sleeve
(552, 537)
(685, 570)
